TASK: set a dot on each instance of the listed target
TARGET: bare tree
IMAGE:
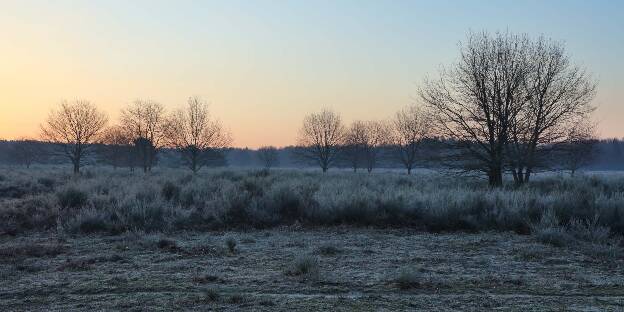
(578, 149)
(268, 156)
(475, 102)
(144, 121)
(25, 152)
(410, 128)
(74, 127)
(508, 102)
(195, 134)
(321, 137)
(377, 135)
(116, 147)
(353, 145)
(558, 101)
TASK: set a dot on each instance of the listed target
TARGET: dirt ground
(351, 270)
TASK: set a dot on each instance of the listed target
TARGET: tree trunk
(76, 167)
(495, 177)
(194, 166)
(527, 175)
(516, 175)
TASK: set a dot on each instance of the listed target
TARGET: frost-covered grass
(110, 201)
(279, 270)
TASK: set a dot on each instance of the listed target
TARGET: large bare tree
(508, 99)
(195, 134)
(410, 128)
(74, 127)
(321, 137)
(144, 121)
(475, 102)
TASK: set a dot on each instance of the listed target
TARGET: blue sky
(265, 64)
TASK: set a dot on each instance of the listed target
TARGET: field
(287, 239)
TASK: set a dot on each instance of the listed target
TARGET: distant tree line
(510, 104)
(79, 132)
(605, 154)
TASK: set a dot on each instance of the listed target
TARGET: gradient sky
(263, 65)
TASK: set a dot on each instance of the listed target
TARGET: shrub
(236, 299)
(46, 182)
(72, 197)
(408, 279)
(32, 213)
(589, 231)
(13, 191)
(549, 231)
(91, 221)
(286, 203)
(305, 265)
(170, 191)
(556, 236)
(167, 244)
(230, 243)
(211, 295)
(236, 210)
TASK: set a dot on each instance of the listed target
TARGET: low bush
(408, 279)
(230, 243)
(170, 191)
(306, 266)
(72, 197)
(47, 182)
(211, 295)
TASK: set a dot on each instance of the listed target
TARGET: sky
(263, 65)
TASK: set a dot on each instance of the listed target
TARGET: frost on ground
(294, 268)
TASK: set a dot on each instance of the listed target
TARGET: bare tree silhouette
(377, 135)
(195, 134)
(410, 128)
(578, 149)
(268, 156)
(25, 152)
(321, 137)
(556, 105)
(144, 121)
(116, 149)
(506, 98)
(353, 145)
(74, 127)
